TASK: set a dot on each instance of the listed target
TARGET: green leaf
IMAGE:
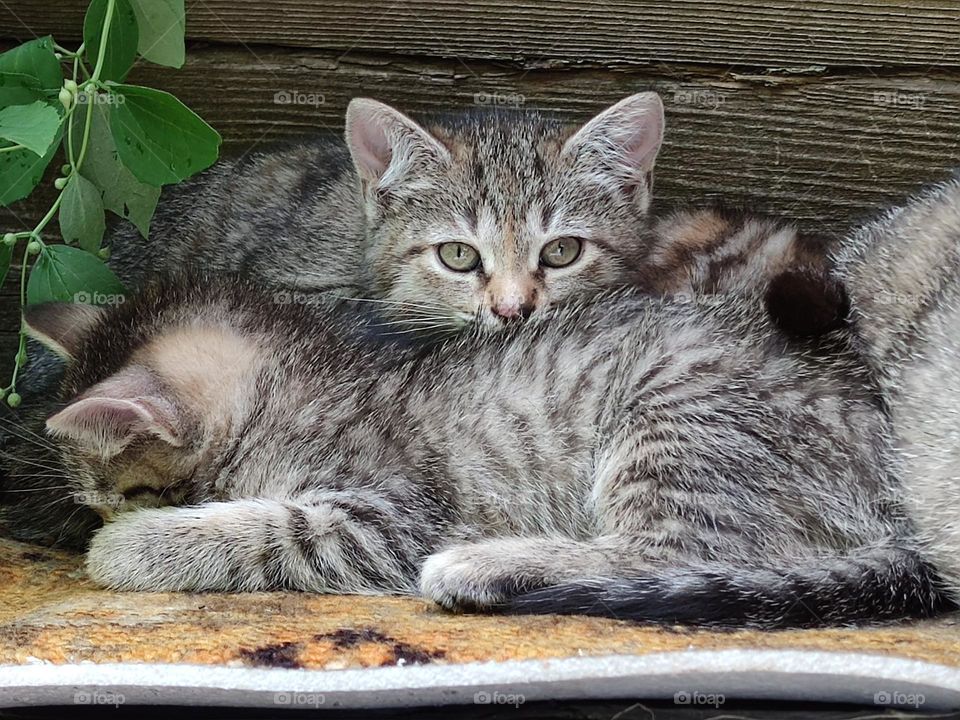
(122, 39)
(34, 126)
(6, 256)
(159, 138)
(21, 171)
(161, 24)
(68, 274)
(123, 194)
(81, 214)
(29, 72)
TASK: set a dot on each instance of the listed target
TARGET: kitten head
(145, 405)
(495, 217)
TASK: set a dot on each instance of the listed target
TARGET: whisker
(26, 434)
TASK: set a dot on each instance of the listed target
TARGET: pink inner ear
(111, 414)
(632, 130)
(370, 146)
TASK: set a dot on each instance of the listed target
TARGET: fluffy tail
(874, 585)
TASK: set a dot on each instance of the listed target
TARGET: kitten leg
(485, 574)
(258, 544)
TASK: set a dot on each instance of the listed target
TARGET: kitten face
(494, 219)
(137, 437)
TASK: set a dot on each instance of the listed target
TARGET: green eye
(561, 252)
(458, 256)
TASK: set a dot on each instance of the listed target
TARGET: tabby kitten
(661, 461)
(903, 275)
(471, 217)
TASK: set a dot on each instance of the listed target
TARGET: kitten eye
(561, 252)
(458, 256)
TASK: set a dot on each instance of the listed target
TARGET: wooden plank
(820, 149)
(824, 150)
(576, 33)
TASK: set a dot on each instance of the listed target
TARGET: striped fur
(903, 275)
(625, 451)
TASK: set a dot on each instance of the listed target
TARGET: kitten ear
(623, 140)
(125, 406)
(61, 327)
(386, 145)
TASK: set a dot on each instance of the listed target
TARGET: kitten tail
(874, 585)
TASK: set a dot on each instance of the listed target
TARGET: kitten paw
(474, 577)
(113, 560)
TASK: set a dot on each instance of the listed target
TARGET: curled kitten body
(903, 274)
(626, 451)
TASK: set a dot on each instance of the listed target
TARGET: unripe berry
(9, 239)
(13, 400)
(70, 86)
(103, 253)
(66, 98)
(34, 247)
(60, 183)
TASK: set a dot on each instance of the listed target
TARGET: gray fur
(903, 275)
(626, 444)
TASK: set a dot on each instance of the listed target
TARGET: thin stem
(11, 148)
(76, 161)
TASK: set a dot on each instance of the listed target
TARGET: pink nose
(512, 311)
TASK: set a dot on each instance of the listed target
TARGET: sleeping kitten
(903, 275)
(661, 461)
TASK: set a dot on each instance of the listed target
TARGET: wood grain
(823, 111)
(574, 33)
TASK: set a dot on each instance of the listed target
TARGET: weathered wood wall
(820, 110)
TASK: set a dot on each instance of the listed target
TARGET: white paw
(466, 577)
(113, 558)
